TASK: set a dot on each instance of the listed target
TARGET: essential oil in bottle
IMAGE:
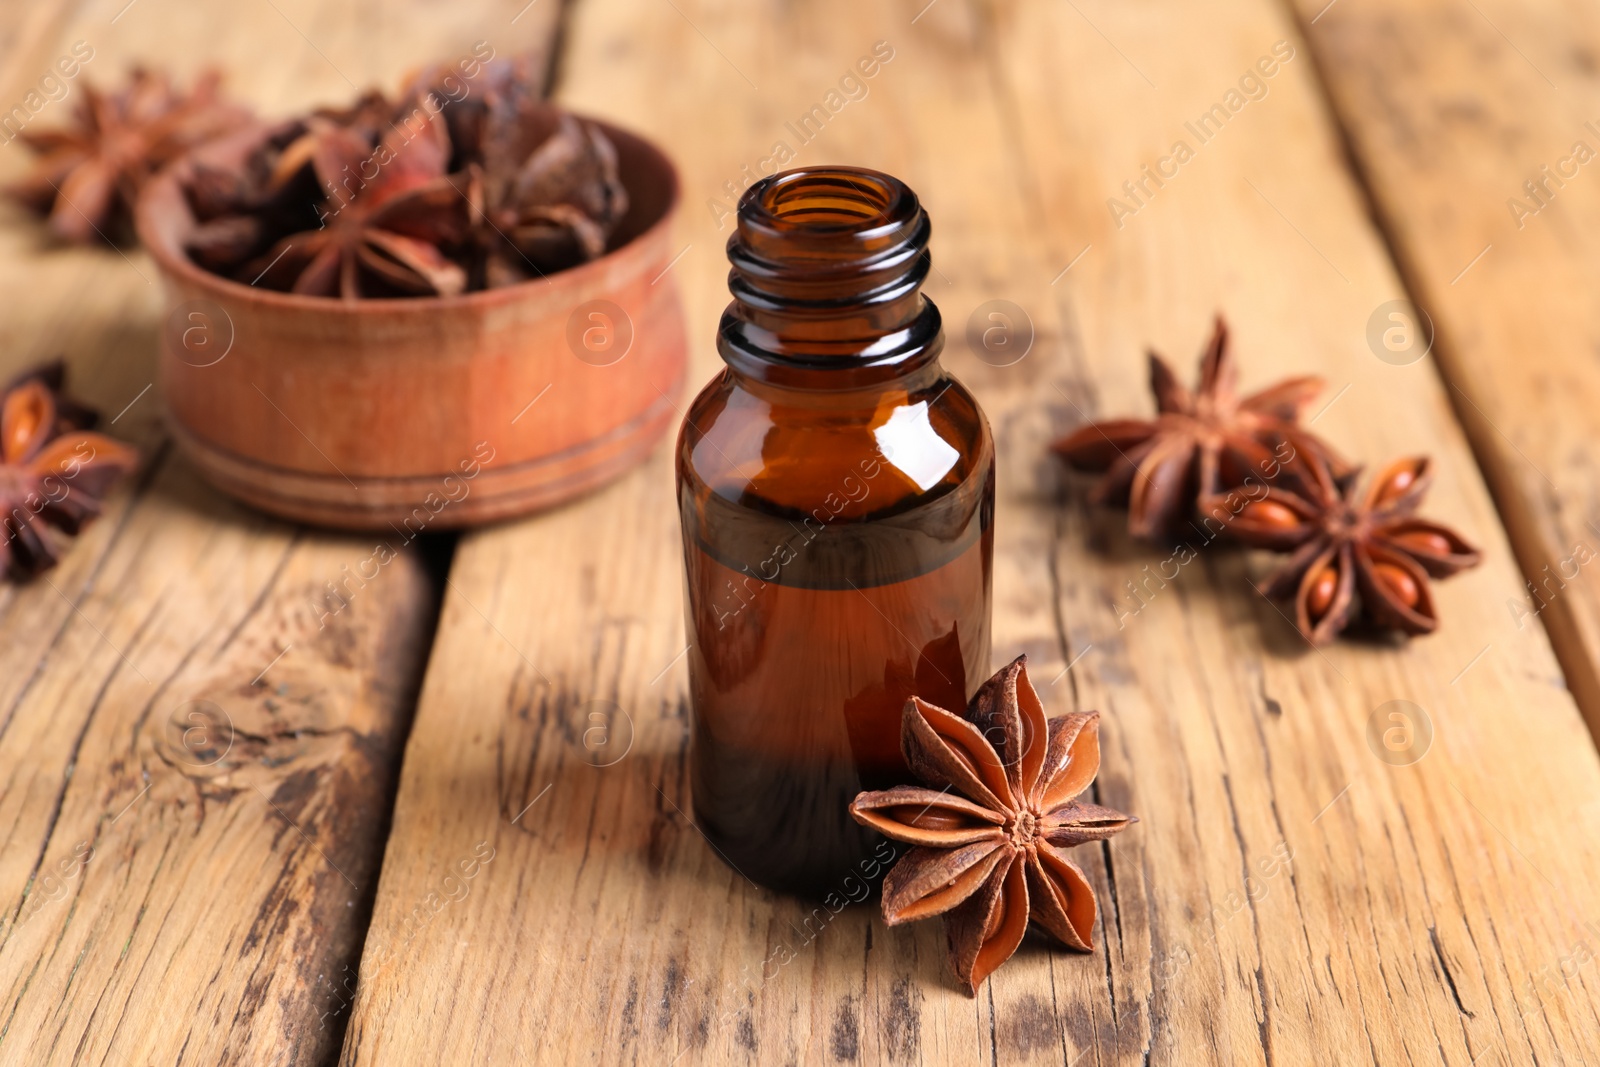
(836, 489)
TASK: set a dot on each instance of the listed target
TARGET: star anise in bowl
(1199, 443)
(382, 236)
(264, 182)
(53, 470)
(1351, 538)
(89, 173)
(543, 185)
(454, 187)
(992, 823)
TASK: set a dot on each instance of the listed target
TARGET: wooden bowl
(423, 412)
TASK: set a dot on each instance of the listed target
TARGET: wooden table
(408, 796)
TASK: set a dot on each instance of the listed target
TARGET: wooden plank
(198, 748)
(26, 34)
(1464, 121)
(1290, 895)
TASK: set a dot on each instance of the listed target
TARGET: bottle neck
(827, 269)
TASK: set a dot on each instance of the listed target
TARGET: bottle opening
(828, 263)
(832, 199)
(838, 212)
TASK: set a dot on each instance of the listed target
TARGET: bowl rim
(158, 236)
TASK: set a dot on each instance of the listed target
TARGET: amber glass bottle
(836, 488)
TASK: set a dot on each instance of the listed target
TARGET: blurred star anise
(1198, 444)
(470, 181)
(543, 185)
(1349, 538)
(273, 189)
(991, 829)
(89, 174)
(387, 215)
(53, 471)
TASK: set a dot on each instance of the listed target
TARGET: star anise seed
(1350, 538)
(991, 826)
(53, 471)
(1199, 443)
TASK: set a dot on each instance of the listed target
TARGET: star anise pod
(1199, 443)
(543, 184)
(245, 199)
(1349, 538)
(53, 470)
(992, 827)
(508, 85)
(89, 174)
(390, 211)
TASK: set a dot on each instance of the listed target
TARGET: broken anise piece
(53, 471)
(1198, 444)
(1349, 538)
(237, 207)
(88, 174)
(993, 824)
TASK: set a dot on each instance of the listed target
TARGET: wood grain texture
(27, 33)
(198, 746)
(1290, 896)
(1474, 127)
